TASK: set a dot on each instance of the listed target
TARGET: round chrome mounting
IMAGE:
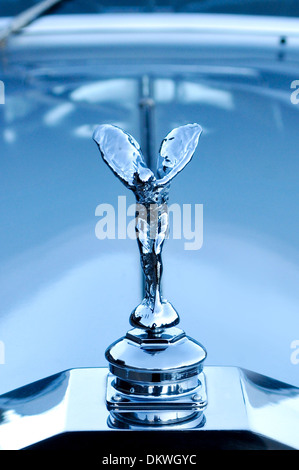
(156, 380)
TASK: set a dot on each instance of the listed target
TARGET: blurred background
(245, 7)
(65, 295)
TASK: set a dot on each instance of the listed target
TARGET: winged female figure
(122, 153)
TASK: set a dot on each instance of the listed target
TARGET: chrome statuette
(156, 369)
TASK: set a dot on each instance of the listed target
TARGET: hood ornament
(155, 370)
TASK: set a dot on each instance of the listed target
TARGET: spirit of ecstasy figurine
(155, 368)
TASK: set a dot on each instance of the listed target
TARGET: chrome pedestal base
(158, 421)
(154, 410)
(68, 410)
(156, 379)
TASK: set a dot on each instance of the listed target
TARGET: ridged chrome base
(157, 409)
(160, 420)
(156, 380)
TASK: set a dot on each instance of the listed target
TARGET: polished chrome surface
(165, 400)
(172, 356)
(123, 155)
(74, 400)
(153, 376)
(155, 358)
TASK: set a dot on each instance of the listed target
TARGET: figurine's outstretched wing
(123, 155)
(176, 151)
